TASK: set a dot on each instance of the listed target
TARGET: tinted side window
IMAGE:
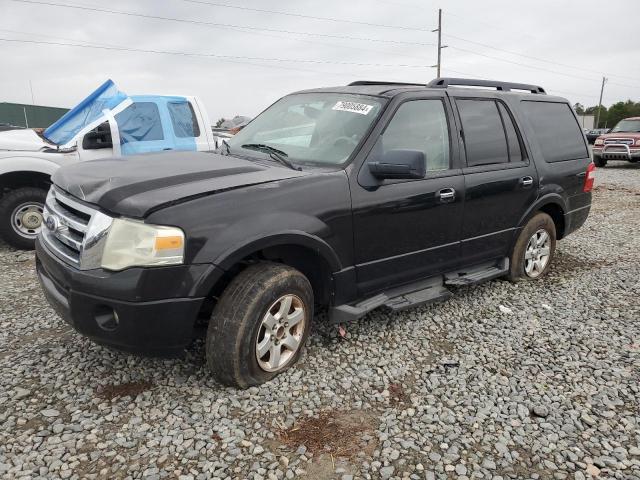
(557, 130)
(139, 122)
(484, 136)
(183, 119)
(420, 125)
(513, 141)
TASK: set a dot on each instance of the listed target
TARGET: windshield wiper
(274, 153)
(226, 144)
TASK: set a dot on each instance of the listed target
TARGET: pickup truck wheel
(260, 325)
(21, 216)
(534, 249)
(599, 161)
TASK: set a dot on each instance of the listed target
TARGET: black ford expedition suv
(350, 198)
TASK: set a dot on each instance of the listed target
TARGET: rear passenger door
(500, 180)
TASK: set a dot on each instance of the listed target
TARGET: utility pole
(440, 46)
(604, 80)
(33, 102)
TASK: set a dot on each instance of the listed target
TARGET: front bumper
(147, 310)
(617, 152)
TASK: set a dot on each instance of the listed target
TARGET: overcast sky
(564, 46)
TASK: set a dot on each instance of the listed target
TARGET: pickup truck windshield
(627, 126)
(319, 128)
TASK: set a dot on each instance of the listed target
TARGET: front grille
(66, 225)
(619, 141)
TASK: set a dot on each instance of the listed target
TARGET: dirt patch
(340, 434)
(129, 389)
(615, 188)
(397, 394)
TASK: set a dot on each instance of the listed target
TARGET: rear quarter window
(557, 131)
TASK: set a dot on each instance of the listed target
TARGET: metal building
(32, 116)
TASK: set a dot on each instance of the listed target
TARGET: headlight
(638, 142)
(130, 243)
(599, 141)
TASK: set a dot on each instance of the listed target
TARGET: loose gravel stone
(461, 389)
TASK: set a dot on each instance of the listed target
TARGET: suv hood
(135, 186)
(634, 135)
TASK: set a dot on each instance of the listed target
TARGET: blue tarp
(107, 96)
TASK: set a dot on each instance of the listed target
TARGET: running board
(397, 299)
(478, 274)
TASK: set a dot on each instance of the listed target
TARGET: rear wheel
(534, 249)
(21, 216)
(599, 161)
(260, 325)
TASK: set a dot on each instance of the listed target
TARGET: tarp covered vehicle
(105, 124)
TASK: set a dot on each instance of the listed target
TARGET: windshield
(322, 128)
(627, 126)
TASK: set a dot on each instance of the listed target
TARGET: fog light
(107, 318)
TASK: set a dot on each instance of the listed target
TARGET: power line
(535, 58)
(257, 30)
(222, 25)
(522, 64)
(219, 56)
(300, 15)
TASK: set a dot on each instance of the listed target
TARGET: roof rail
(378, 82)
(445, 82)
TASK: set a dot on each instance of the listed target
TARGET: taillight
(589, 178)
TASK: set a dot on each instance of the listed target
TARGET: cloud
(565, 34)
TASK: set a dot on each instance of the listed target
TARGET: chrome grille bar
(74, 231)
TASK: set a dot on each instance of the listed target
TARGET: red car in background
(621, 143)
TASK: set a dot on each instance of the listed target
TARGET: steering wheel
(346, 141)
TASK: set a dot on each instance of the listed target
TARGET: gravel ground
(535, 380)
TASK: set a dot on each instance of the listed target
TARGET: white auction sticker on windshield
(353, 107)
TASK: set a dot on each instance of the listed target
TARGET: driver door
(406, 230)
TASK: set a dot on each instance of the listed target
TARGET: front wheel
(599, 161)
(260, 325)
(534, 249)
(21, 216)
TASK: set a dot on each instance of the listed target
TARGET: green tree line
(612, 115)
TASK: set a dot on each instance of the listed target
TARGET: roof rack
(378, 82)
(469, 82)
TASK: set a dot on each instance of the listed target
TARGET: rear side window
(183, 119)
(484, 136)
(557, 130)
(139, 122)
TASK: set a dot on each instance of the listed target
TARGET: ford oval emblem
(52, 223)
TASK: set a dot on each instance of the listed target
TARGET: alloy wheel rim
(280, 333)
(27, 219)
(537, 253)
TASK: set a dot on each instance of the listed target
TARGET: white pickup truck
(107, 123)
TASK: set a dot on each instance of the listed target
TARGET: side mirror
(405, 164)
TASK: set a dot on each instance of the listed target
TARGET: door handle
(447, 195)
(526, 181)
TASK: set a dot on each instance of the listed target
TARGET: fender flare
(292, 237)
(548, 199)
(231, 257)
(27, 164)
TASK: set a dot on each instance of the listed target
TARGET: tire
(599, 161)
(236, 327)
(520, 267)
(22, 204)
